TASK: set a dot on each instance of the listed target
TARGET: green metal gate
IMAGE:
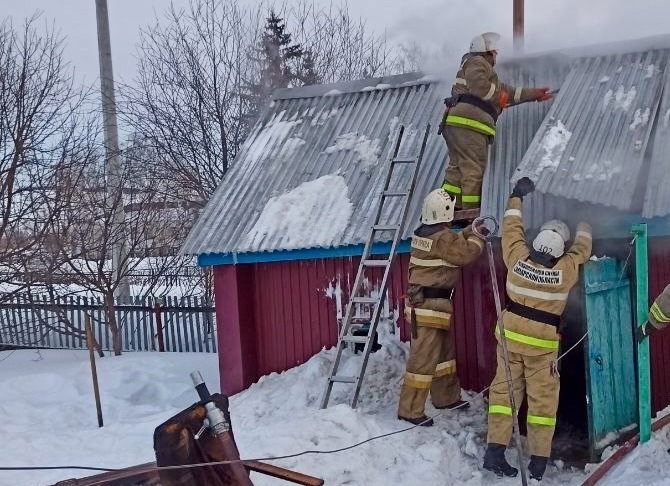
(610, 363)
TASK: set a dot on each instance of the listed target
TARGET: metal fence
(181, 324)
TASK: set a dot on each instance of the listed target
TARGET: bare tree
(343, 47)
(42, 132)
(186, 101)
(86, 237)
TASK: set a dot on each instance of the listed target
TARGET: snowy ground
(48, 418)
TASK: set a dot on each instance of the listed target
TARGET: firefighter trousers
(431, 366)
(468, 158)
(534, 376)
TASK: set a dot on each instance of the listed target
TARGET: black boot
(423, 421)
(494, 460)
(457, 405)
(537, 466)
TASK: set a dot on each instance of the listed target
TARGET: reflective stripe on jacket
(534, 285)
(659, 313)
(436, 255)
(477, 77)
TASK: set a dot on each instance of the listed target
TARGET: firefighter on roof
(538, 281)
(436, 255)
(469, 125)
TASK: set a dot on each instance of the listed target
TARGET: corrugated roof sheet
(657, 195)
(591, 146)
(608, 104)
(346, 131)
(517, 127)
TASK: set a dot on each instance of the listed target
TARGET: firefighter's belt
(437, 292)
(534, 314)
(473, 100)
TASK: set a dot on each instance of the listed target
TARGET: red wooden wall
(285, 316)
(659, 277)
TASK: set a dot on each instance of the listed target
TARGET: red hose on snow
(621, 452)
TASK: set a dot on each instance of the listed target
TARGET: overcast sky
(431, 23)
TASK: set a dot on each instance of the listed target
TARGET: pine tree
(308, 74)
(282, 64)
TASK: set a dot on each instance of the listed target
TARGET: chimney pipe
(518, 26)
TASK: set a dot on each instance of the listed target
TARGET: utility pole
(112, 162)
(518, 26)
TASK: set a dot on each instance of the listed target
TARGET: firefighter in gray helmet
(469, 123)
(437, 253)
(539, 278)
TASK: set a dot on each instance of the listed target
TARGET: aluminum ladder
(358, 303)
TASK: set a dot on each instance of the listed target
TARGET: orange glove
(503, 99)
(543, 94)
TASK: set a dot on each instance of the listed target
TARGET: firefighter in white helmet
(437, 253)
(539, 279)
(469, 123)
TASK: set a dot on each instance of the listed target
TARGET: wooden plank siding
(288, 316)
(283, 300)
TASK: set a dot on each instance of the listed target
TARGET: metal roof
(591, 146)
(310, 133)
(600, 159)
(657, 195)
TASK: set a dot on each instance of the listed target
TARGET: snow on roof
(591, 146)
(313, 214)
(310, 158)
(587, 146)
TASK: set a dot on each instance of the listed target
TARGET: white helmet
(438, 207)
(559, 227)
(488, 41)
(549, 241)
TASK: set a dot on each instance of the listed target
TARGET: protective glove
(480, 230)
(503, 99)
(644, 331)
(522, 187)
(543, 94)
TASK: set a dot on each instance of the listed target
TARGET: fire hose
(477, 224)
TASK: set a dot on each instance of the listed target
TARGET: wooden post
(159, 327)
(642, 308)
(94, 373)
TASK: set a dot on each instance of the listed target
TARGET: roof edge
(355, 86)
(213, 259)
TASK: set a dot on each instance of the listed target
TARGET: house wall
(280, 314)
(289, 313)
(659, 277)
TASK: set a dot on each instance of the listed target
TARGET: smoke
(443, 29)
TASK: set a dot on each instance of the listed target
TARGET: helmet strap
(544, 259)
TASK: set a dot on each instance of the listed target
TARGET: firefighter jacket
(436, 255)
(659, 313)
(477, 77)
(540, 288)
